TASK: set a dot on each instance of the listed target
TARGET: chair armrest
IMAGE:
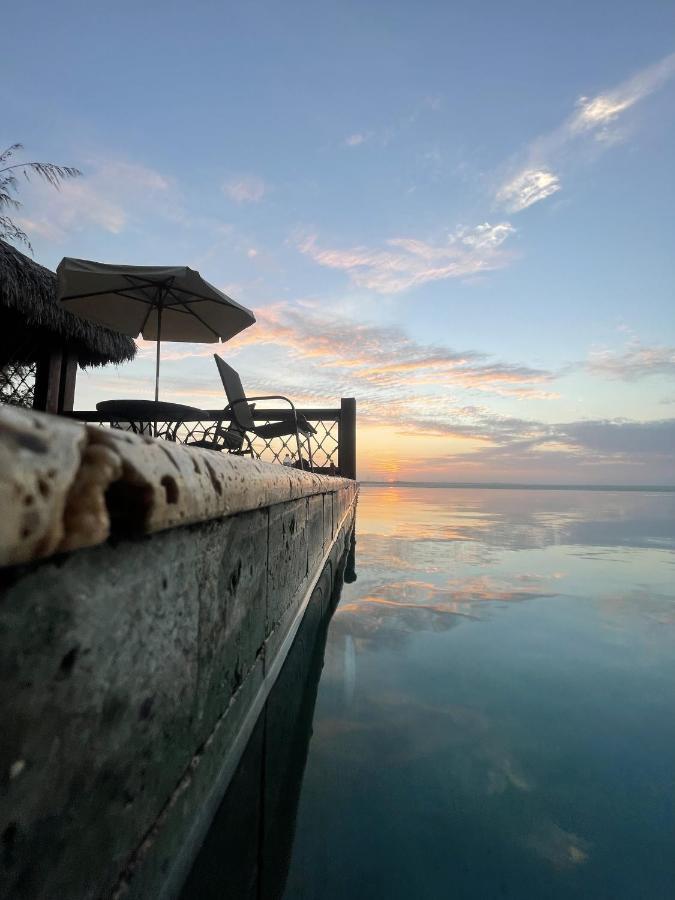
(266, 397)
(271, 397)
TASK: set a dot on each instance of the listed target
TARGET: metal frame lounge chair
(218, 437)
(242, 417)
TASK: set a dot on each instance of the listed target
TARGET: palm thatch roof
(31, 319)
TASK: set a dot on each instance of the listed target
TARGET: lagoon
(495, 716)
(496, 713)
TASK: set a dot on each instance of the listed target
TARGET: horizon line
(532, 486)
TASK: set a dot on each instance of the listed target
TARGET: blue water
(496, 713)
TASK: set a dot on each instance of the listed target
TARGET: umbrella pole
(159, 344)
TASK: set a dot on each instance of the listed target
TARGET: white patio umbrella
(171, 303)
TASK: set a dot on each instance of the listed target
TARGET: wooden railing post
(347, 438)
(67, 383)
(47, 378)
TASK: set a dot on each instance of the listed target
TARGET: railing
(333, 446)
(17, 384)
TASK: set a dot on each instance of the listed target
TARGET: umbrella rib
(119, 291)
(146, 282)
(150, 288)
(199, 318)
(143, 283)
(147, 316)
(171, 293)
(194, 297)
(134, 297)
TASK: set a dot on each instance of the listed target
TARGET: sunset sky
(463, 215)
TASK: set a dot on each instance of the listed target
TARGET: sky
(460, 214)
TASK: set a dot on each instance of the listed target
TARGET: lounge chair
(220, 437)
(242, 416)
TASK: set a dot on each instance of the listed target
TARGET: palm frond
(9, 229)
(51, 173)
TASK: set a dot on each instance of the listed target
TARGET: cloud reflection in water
(496, 702)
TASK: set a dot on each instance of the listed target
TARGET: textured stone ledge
(130, 675)
(65, 485)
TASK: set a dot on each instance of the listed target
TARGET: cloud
(634, 363)
(410, 262)
(245, 189)
(608, 437)
(561, 849)
(383, 361)
(588, 451)
(596, 113)
(527, 188)
(621, 437)
(110, 196)
(391, 612)
(310, 354)
(595, 117)
(355, 140)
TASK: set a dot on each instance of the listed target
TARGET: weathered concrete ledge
(133, 668)
(65, 485)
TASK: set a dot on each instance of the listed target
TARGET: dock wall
(248, 849)
(149, 596)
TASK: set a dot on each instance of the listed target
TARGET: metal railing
(333, 445)
(17, 384)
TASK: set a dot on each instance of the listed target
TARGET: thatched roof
(31, 320)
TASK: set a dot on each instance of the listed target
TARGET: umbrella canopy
(170, 303)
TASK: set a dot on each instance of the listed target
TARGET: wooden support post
(347, 438)
(47, 381)
(67, 382)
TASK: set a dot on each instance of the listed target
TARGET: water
(495, 717)
(496, 713)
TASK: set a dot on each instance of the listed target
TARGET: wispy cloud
(595, 118)
(526, 188)
(377, 360)
(637, 361)
(110, 196)
(400, 382)
(410, 262)
(596, 113)
(245, 189)
(355, 140)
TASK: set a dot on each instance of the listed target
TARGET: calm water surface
(496, 713)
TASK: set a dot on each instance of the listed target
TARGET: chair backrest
(236, 397)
